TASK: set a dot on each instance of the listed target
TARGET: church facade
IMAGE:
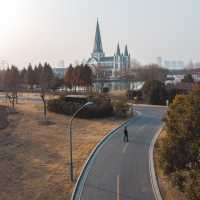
(111, 66)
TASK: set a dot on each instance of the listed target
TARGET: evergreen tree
(69, 77)
(187, 79)
(154, 92)
(23, 76)
(47, 76)
(30, 76)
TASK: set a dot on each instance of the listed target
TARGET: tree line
(12, 80)
(79, 76)
(41, 76)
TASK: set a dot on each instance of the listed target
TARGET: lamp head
(89, 103)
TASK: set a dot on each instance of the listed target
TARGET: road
(120, 170)
(33, 99)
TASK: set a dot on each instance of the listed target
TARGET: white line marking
(154, 183)
(142, 127)
(125, 147)
(118, 185)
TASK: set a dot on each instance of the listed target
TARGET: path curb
(153, 177)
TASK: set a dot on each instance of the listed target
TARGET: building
(173, 64)
(59, 72)
(159, 61)
(60, 69)
(112, 66)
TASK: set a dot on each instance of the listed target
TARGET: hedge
(100, 109)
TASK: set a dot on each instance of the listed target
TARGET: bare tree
(12, 85)
(100, 76)
(151, 72)
(45, 80)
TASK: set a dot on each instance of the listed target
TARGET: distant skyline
(54, 30)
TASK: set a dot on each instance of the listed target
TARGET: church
(111, 66)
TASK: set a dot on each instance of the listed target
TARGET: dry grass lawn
(34, 158)
(3, 117)
(169, 192)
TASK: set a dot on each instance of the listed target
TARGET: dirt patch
(34, 158)
(168, 191)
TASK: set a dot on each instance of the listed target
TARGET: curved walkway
(120, 171)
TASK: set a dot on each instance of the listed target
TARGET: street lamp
(70, 138)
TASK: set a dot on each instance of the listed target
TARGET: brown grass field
(34, 157)
(3, 117)
(169, 192)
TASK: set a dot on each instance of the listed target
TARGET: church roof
(97, 43)
(107, 59)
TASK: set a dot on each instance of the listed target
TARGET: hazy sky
(52, 30)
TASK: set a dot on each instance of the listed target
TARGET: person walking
(125, 134)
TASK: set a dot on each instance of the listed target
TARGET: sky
(53, 30)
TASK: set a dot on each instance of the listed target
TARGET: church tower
(126, 59)
(98, 49)
(112, 66)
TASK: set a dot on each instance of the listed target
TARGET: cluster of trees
(155, 92)
(148, 72)
(79, 76)
(152, 72)
(180, 149)
(187, 79)
(12, 80)
(40, 76)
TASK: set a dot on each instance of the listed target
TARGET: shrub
(180, 149)
(178, 179)
(121, 108)
(105, 90)
(193, 187)
(98, 110)
(172, 92)
(134, 94)
(154, 92)
(102, 108)
(187, 79)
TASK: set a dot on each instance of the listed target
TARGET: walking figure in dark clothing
(125, 134)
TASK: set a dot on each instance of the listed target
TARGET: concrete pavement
(120, 171)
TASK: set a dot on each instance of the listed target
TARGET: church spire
(126, 51)
(98, 44)
(118, 50)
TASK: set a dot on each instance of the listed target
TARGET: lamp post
(70, 138)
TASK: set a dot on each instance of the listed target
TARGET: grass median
(35, 157)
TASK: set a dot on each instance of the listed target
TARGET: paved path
(121, 171)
